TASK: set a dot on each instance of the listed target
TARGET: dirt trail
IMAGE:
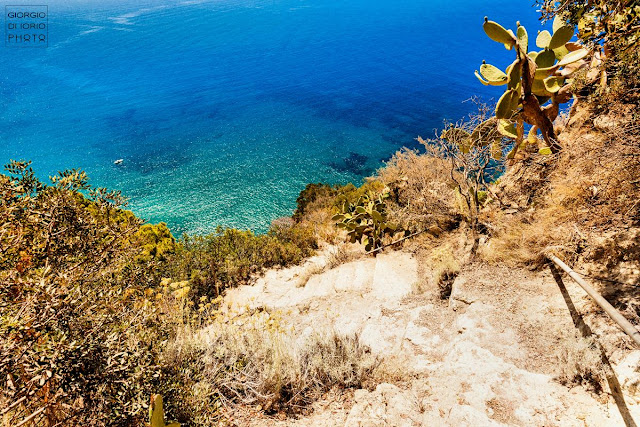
(486, 357)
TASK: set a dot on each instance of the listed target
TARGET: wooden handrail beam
(617, 317)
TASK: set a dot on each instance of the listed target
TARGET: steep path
(491, 355)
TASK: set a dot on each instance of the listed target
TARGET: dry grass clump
(422, 191)
(250, 359)
(341, 254)
(580, 363)
(563, 203)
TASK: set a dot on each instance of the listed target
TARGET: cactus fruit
(156, 413)
(533, 79)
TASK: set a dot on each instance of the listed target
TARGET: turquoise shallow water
(223, 110)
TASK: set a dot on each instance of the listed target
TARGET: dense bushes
(319, 196)
(83, 307)
(230, 257)
(75, 346)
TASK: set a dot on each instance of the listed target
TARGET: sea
(221, 111)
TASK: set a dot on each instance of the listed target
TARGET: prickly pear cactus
(537, 82)
(366, 221)
(156, 413)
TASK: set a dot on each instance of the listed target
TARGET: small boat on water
(119, 161)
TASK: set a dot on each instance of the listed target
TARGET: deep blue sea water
(223, 110)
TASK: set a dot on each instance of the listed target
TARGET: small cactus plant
(156, 413)
(366, 221)
(537, 82)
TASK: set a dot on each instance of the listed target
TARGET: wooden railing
(617, 317)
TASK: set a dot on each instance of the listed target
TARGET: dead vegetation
(565, 203)
(249, 359)
(580, 363)
(422, 194)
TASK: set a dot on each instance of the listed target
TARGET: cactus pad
(484, 132)
(498, 33)
(574, 56)
(514, 72)
(558, 22)
(507, 128)
(545, 59)
(156, 413)
(479, 77)
(523, 39)
(542, 73)
(496, 150)
(543, 39)
(505, 107)
(493, 75)
(553, 84)
(560, 37)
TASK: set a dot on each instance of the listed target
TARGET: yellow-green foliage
(73, 338)
(156, 241)
(323, 196)
(230, 257)
(612, 29)
(84, 311)
(365, 221)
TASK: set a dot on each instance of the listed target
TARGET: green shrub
(366, 221)
(309, 195)
(230, 257)
(156, 242)
(76, 340)
(323, 196)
